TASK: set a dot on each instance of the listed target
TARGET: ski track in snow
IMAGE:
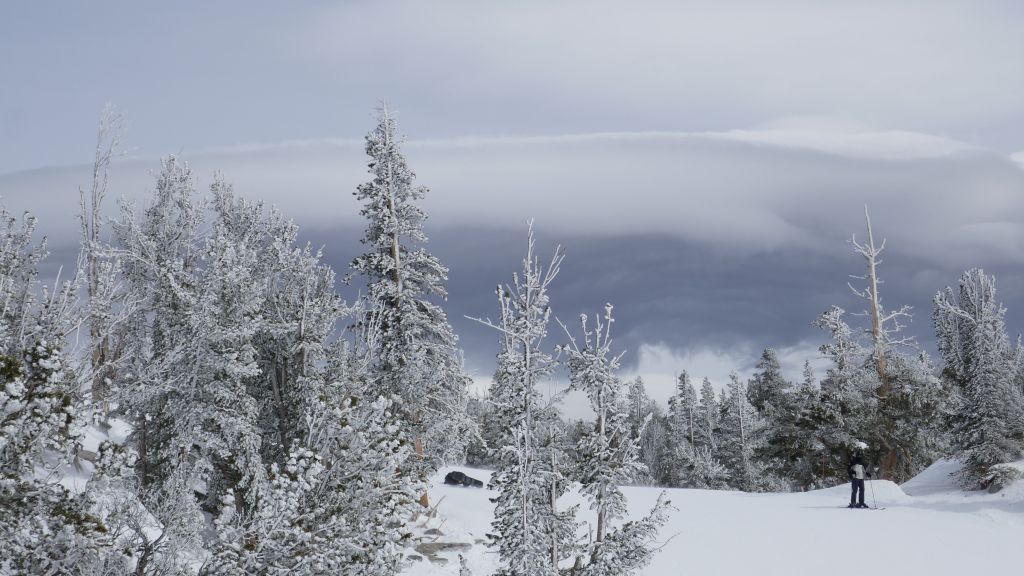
(929, 527)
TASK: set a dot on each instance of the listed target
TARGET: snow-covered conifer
(708, 415)
(415, 354)
(742, 436)
(609, 455)
(768, 390)
(531, 534)
(680, 434)
(646, 421)
(980, 361)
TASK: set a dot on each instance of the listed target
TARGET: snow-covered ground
(929, 527)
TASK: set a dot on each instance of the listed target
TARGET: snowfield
(929, 527)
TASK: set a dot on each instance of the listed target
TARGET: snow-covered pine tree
(415, 352)
(646, 421)
(681, 434)
(705, 469)
(479, 450)
(223, 321)
(768, 391)
(531, 535)
(161, 251)
(299, 312)
(774, 398)
(708, 414)
(683, 408)
(846, 400)
(981, 363)
(742, 436)
(19, 271)
(609, 455)
(801, 441)
(47, 529)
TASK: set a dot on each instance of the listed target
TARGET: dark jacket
(851, 469)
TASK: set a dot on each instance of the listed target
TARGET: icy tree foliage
(531, 534)
(876, 391)
(768, 390)
(742, 434)
(47, 529)
(413, 348)
(609, 455)
(677, 447)
(647, 422)
(988, 420)
(100, 267)
(783, 450)
(241, 410)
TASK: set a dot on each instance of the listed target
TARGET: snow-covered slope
(929, 527)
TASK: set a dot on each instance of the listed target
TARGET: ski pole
(871, 483)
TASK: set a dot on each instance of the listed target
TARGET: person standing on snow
(857, 470)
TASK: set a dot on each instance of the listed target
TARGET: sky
(703, 164)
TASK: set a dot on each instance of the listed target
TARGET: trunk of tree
(877, 335)
(554, 503)
(740, 397)
(878, 339)
(90, 218)
(601, 512)
(418, 447)
(277, 383)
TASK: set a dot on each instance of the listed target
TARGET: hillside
(929, 526)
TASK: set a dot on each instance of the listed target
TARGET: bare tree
(885, 326)
(885, 334)
(99, 269)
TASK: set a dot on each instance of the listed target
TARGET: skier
(857, 470)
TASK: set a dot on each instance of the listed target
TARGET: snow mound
(935, 479)
(883, 491)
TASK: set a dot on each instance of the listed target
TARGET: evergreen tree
(162, 251)
(768, 391)
(742, 437)
(47, 528)
(800, 453)
(224, 321)
(846, 399)
(988, 424)
(705, 469)
(414, 350)
(609, 454)
(680, 435)
(708, 415)
(783, 450)
(531, 535)
(647, 422)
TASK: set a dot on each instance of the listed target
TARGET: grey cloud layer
(710, 245)
(934, 199)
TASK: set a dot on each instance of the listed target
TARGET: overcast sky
(703, 164)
